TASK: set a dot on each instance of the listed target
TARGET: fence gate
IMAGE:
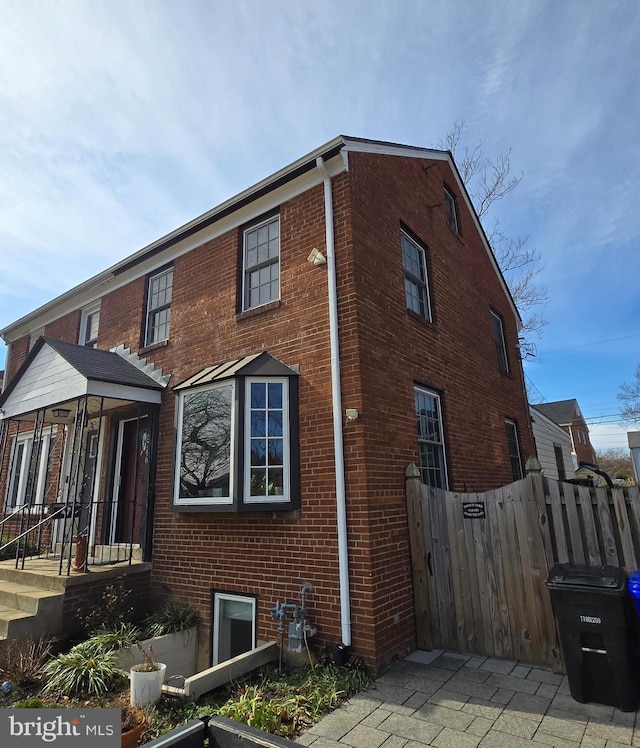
(479, 567)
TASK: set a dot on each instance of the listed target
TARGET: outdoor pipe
(336, 397)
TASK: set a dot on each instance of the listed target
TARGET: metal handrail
(35, 527)
(21, 508)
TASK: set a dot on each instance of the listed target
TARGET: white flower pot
(146, 687)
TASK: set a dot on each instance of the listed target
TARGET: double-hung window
(261, 263)
(237, 437)
(30, 471)
(416, 284)
(159, 307)
(451, 207)
(513, 447)
(89, 325)
(433, 465)
(497, 331)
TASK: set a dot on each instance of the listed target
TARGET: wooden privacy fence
(481, 560)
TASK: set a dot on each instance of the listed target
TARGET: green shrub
(109, 640)
(84, 670)
(170, 619)
(27, 548)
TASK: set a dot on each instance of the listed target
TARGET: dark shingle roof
(561, 411)
(102, 366)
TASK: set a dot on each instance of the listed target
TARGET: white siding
(546, 434)
(50, 379)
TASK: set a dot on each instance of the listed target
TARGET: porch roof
(56, 372)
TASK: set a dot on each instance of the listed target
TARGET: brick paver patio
(450, 700)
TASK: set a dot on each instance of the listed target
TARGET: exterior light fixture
(316, 257)
(60, 412)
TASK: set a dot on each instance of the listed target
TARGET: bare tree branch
(629, 397)
(488, 180)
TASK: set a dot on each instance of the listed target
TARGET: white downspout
(341, 504)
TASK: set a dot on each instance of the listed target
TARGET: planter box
(179, 652)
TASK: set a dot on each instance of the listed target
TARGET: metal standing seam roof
(258, 363)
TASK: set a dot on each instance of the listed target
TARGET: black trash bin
(592, 610)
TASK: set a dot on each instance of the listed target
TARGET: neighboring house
(238, 401)
(553, 446)
(633, 438)
(567, 414)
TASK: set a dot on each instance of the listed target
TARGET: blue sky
(120, 121)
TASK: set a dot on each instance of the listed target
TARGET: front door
(131, 481)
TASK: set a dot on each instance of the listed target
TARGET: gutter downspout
(338, 446)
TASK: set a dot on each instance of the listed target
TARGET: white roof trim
(141, 363)
(92, 289)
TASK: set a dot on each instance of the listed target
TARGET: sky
(120, 121)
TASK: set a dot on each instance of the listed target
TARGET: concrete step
(15, 623)
(29, 611)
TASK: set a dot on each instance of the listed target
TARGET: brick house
(567, 414)
(237, 402)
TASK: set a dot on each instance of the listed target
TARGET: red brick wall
(383, 351)
(18, 351)
(65, 328)
(454, 355)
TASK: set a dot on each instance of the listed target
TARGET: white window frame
(509, 424)
(87, 313)
(451, 207)
(439, 444)
(247, 270)
(422, 284)
(286, 462)
(217, 598)
(205, 500)
(150, 312)
(500, 344)
(41, 480)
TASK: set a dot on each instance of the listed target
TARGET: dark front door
(133, 481)
(88, 480)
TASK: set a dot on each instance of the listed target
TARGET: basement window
(234, 626)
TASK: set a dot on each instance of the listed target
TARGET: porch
(78, 439)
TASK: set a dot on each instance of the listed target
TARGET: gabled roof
(56, 372)
(561, 412)
(334, 154)
(535, 412)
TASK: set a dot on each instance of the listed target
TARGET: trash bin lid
(582, 576)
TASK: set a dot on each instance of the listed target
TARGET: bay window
(237, 437)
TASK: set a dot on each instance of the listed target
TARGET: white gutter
(336, 397)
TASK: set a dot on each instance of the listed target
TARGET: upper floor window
(433, 465)
(451, 206)
(261, 263)
(89, 325)
(159, 307)
(497, 331)
(237, 443)
(513, 446)
(416, 284)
